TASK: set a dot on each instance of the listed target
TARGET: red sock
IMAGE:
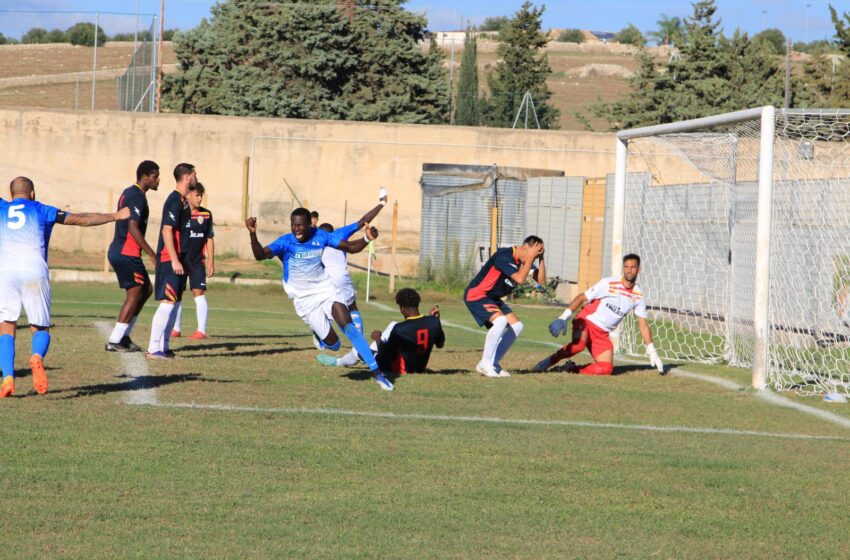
(568, 351)
(598, 368)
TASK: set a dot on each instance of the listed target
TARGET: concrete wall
(76, 159)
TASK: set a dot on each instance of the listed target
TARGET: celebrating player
(125, 256)
(505, 270)
(403, 347)
(25, 228)
(170, 273)
(316, 299)
(336, 265)
(609, 301)
(200, 259)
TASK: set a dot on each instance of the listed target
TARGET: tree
(756, 75)
(669, 32)
(82, 34)
(35, 35)
(774, 37)
(630, 35)
(467, 112)
(571, 36)
(522, 68)
(824, 84)
(493, 23)
(57, 36)
(649, 101)
(842, 30)
(3, 40)
(439, 96)
(308, 60)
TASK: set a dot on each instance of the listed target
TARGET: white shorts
(31, 293)
(346, 289)
(317, 310)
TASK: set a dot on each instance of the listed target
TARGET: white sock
(130, 325)
(118, 332)
(179, 319)
(158, 326)
(177, 307)
(202, 309)
(510, 336)
(493, 337)
(349, 359)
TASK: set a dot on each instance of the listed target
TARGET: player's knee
(517, 327)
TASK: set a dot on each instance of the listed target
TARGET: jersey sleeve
(504, 263)
(171, 211)
(597, 290)
(440, 337)
(51, 214)
(279, 246)
(136, 202)
(347, 231)
(210, 230)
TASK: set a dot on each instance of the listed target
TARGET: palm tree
(669, 31)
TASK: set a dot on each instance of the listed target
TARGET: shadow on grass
(259, 336)
(135, 384)
(365, 375)
(246, 354)
(618, 370)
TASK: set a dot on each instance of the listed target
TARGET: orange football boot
(8, 387)
(39, 377)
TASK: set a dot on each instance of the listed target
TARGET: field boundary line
(491, 420)
(767, 395)
(141, 390)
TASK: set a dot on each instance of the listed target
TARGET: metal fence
(116, 69)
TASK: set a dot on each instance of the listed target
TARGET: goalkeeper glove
(559, 325)
(382, 196)
(654, 360)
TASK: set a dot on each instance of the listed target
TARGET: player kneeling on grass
(505, 270)
(608, 302)
(403, 347)
(200, 260)
(315, 298)
(25, 228)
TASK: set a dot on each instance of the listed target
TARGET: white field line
(767, 395)
(135, 366)
(494, 420)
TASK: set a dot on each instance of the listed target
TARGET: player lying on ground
(125, 256)
(608, 302)
(403, 347)
(198, 239)
(505, 270)
(315, 298)
(336, 265)
(25, 228)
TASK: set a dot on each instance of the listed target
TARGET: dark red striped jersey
(175, 213)
(494, 278)
(195, 237)
(410, 343)
(133, 198)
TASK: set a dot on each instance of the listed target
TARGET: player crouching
(608, 302)
(402, 347)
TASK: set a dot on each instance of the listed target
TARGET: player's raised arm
(260, 253)
(372, 214)
(358, 244)
(531, 252)
(86, 219)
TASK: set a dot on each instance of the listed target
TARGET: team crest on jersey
(200, 219)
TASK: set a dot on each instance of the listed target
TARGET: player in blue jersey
(170, 272)
(317, 301)
(125, 256)
(25, 229)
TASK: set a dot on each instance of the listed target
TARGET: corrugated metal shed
(553, 212)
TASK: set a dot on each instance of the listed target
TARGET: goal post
(742, 221)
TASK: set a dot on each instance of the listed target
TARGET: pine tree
(309, 59)
(649, 101)
(522, 68)
(756, 75)
(467, 112)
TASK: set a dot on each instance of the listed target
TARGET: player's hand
(153, 261)
(435, 311)
(537, 250)
(177, 267)
(210, 271)
(376, 335)
(251, 224)
(122, 214)
(654, 360)
(371, 233)
(558, 327)
(382, 196)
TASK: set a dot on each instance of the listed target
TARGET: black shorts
(169, 286)
(198, 277)
(482, 309)
(130, 271)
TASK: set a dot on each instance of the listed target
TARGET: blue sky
(791, 16)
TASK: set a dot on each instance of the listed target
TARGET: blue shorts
(169, 286)
(198, 277)
(482, 309)
(130, 271)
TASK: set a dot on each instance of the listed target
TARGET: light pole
(763, 20)
(807, 23)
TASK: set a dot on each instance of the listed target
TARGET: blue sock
(7, 355)
(40, 343)
(358, 320)
(361, 345)
(335, 346)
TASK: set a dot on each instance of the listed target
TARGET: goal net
(743, 225)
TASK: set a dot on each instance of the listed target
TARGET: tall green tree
(650, 101)
(842, 30)
(309, 59)
(756, 75)
(670, 30)
(823, 83)
(522, 68)
(468, 112)
(630, 35)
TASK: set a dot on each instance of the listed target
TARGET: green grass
(87, 476)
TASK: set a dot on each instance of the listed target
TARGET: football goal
(743, 224)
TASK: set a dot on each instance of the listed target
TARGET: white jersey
(336, 264)
(617, 302)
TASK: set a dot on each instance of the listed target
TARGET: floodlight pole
(94, 61)
(159, 55)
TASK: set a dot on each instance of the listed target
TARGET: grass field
(305, 461)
